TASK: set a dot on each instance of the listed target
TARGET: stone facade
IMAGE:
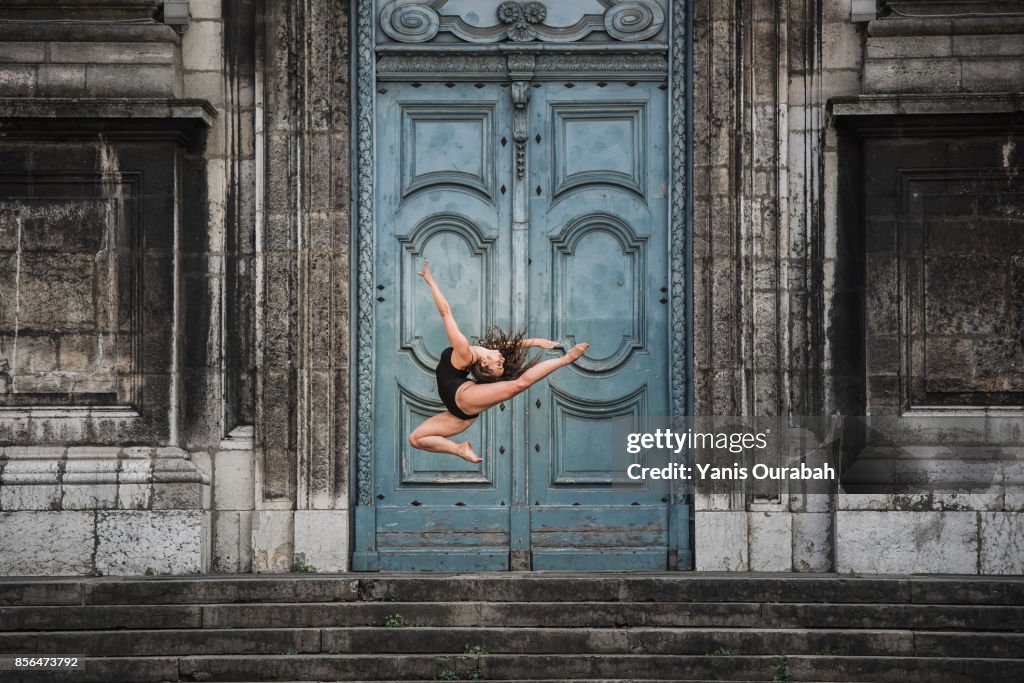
(177, 267)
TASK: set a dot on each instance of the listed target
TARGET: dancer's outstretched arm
(541, 343)
(462, 357)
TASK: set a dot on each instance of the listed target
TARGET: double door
(563, 233)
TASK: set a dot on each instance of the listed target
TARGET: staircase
(526, 627)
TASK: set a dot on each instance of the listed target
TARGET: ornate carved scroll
(420, 21)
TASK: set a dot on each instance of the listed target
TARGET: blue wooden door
(599, 274)
(442, 194)
(549, 494)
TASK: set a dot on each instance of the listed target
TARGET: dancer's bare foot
(575, 352)
(466, 453)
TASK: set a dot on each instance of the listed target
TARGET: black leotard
(449, 379)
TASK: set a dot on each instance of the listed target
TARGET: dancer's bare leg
(433, 435)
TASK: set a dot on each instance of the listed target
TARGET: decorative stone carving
(519, 66)
(679, 238)
(420, 21)
(449, 65)
(520, 125)
(409, 23)
(365, 171)
(633, 20)
(520, 18)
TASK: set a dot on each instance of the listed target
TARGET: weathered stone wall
(302, 276)
(796, 305)
(109, 239)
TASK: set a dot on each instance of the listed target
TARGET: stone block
(79, 352)
(30, 484)
(17, 81)
(900, 47)
(30, 497)
(912, 75)
(130, 81)
(134, 477)
(113, 53)
(771, 541)
(720, 541)
(713, 501)
(993, 75)
(1002, 543)
(203, 462)
(321, 539)
(233, 485)
(841, 46)
(61, 80)
(906, 542)
(207, 85)
(837, 82)
(812, 542)
(272, 541)
(202, 47)
(25, 53)
(232, 541)
(36, 353)
(173, 541)
(46, 543)
(90, 483)
(205, 9)
(179, 496)
(1002, 45)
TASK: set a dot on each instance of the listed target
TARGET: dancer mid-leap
(500, 370)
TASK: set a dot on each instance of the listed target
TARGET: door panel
(438, 198)
(598, 247)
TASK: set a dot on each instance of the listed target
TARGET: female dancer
(500, 370)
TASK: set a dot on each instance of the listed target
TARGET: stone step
(518, 615)
(622, 614)
(515, 587)
(517, 667)
(693, 641)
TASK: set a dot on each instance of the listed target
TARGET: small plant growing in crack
(782, 669)
(396, 621)
(723, 652)
(447, 672)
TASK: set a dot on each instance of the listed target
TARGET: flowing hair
(510, 345)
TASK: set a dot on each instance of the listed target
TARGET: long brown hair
(510, 345)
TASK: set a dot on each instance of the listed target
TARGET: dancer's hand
(425, 273)
(577, 351)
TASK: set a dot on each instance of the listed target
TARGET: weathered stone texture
(55, 543)
(174, 542)
(273, 540)
(1002, 543)
(721, 542)
(907, 542)
(813, 542)
(316, 542)
(116, 60)
(232, 541)
(771, 541)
